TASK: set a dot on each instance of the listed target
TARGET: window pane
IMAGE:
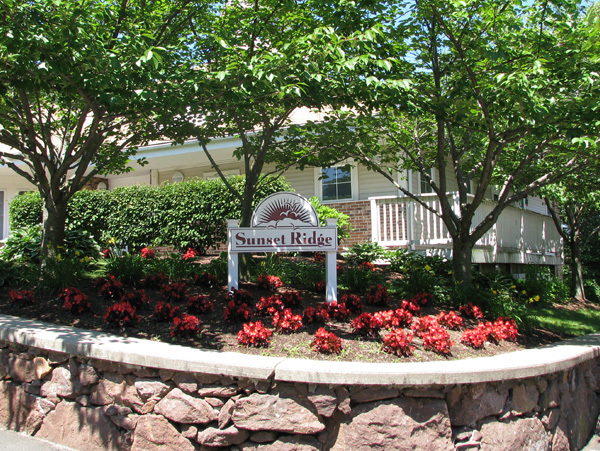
(343, 175)
(328, 175)
(329, 192)
(344, 191)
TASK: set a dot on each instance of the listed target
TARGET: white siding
(130, 180)
(373, 184)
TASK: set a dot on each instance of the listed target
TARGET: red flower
(422, 298)
(165, 312)
(398, 343)
(378, 295)
(190, 254)
(367, 324)
(205, 280)
(174, 292)
(471, 310)
(318, 315)
(121, 314)
(22, 297)
(353, 302)
(326, 342)
(137, 298)
(450, 320)
(320, 286)
(185, 326)
(75, 301)
(147, 252)
(155, 281)
(254, 334)
(267, 282)
(286, 322)
(200, 304)
(109, 287)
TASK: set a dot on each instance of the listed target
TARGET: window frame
(353, 182)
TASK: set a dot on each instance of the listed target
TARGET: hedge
(186, 214)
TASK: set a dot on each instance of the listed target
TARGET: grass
(572, 322)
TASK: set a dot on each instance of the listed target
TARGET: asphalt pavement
(15, 441)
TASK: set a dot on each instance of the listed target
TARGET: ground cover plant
(276, 313)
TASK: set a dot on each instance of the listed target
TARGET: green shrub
(15, 274)
(359, 278)
(25, 245)
(173, 266)
(59, 273)
(325, 211)
(365, 252)
(129, 269)
(188, 214)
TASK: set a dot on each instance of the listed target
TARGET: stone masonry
(92, 405)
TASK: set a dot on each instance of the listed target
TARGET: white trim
(3, 215)
(214, 175)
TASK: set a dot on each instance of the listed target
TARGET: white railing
(401, 221)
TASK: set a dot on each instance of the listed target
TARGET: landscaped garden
(408, 309)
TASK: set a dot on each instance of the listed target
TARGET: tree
(502, 95)
(574, 204)
(272, 58)
(79, 84)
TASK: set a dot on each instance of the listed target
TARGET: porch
(520, 236)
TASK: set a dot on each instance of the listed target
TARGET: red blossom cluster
(190, 254)
(422, 298)
(254, 334)
(437, 339)
(378, 295)
(106, 253)
(391, 319)
(317, 315)
(501, 329)
(110, 287)
(368, 266)
(270, 305)
(338, 310)
(75, 301)
(423, 324)
(238, 306)
(286, 322)
(240, 296)
(163, 311)
(174, 292)
(205, 280)
(291, 299)
(320, 286)
(410, 306)
(121, 314)
(267, 282)
(450, 320)
(326, 342)
(470, 310)
(185, 326)
(146, 252)
(367, 324)
(353, 302)
(318, 258)
(155, 281)
(21, 297)
(200, 304)
(138, 298)
(398, 343)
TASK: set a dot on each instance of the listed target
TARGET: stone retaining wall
(54, 386)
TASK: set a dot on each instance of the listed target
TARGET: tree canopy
(79, 84)
(503, 96)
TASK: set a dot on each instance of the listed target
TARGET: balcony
(519, 235)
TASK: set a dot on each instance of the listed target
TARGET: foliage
(200, 304)
(10, 273)
(267, 282)
(64, 120)
(163, 311)
(366, 324)
(190, 214)
(471, 311)
(338, 311)
(450, 320)
(368, 251)
(24, 244)
(316, 315)
(137, 299)
(378, 295)
(326, 342)
(327, 212)
(254, 334)
(359, 277)
(59, 273)
(390, 319)
(174, 292)
(128, 268)
(352, 302)
(173, 267)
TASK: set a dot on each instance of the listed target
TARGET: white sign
(305, 239)
(284, 222)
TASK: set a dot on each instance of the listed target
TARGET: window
(336, 183)
(425, 186)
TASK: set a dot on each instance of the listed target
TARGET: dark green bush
(187, 214)
(325, 211)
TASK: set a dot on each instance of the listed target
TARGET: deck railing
(401, 221)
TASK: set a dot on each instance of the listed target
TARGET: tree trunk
(577, 287)
(54, 218)
(462, 250)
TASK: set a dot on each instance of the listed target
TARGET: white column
(233, 268)
(331, 268)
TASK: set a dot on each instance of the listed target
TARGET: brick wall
(360, 219)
